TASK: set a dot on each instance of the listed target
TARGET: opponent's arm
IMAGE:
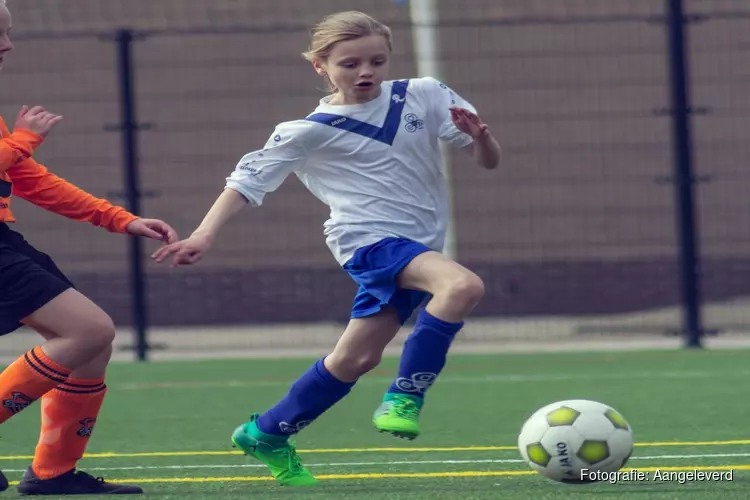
(31, 127)
(35, 184)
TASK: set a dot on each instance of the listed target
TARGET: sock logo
(293, 429)
(17, 402)
(419, 382)
(87, 427)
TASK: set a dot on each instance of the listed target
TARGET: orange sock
(27, 379)
(68, 416)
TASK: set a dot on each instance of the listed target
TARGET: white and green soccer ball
(571, 441)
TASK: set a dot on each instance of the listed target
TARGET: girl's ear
(319, 67)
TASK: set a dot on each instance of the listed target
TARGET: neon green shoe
(277, 453)
(398, 414)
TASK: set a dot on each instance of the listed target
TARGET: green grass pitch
(166, 426)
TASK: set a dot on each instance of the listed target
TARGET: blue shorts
(375, 269)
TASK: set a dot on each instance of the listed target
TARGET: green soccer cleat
(277, 453)
(398, 414)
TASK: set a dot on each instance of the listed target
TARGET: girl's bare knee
(99, 330)
(464, 291)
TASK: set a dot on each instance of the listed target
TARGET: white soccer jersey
(377, 165)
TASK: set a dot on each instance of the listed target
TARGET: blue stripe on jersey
(386, 133)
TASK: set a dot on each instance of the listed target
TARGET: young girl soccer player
(67, 371)
(370, 152)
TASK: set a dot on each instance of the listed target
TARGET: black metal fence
(624, 127)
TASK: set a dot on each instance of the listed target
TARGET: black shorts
(28, 279)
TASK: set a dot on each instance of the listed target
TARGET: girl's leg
(455, 292)
(324, 384)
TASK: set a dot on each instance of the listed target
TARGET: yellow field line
(695, 443)
(371, 450)
(401, 475)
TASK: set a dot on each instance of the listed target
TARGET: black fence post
(683, 173)
(129, 130)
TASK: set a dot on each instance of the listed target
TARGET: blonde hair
(341, 27)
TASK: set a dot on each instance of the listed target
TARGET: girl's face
(357, 68)
(5, 28)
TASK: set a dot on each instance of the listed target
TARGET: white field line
(448, 379)
(384, 464)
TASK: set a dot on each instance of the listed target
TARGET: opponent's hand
(468, 122)
(152, 228)
(37, 119)
(185, 252)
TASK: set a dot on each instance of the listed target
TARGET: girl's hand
(468, 122)
(186, 252)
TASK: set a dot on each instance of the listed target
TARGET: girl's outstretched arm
(192, 249)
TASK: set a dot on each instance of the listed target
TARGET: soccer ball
(576, 441)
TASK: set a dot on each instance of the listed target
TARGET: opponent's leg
(69, 415)
(70, 409)
(81, 331)
(33, 291)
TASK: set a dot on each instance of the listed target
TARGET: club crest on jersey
(413, 123)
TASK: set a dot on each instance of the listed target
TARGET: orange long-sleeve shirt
(21, 176)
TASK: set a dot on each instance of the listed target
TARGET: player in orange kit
(67, 371)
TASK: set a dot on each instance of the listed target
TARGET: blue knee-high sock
(424, 355)
(308, 398)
